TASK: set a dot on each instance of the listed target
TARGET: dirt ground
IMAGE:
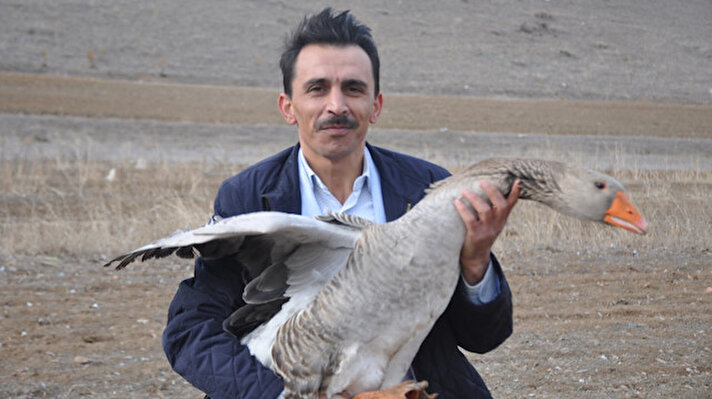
(615, 86)
(613, 325)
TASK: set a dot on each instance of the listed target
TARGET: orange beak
(623, 214)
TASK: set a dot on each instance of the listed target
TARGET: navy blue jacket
(216, 363)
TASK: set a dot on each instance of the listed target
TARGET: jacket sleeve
(481, 328)
(196, 345)
(194, 341)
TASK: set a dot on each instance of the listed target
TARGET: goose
(335, 303)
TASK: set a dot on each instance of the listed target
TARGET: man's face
(332, 100)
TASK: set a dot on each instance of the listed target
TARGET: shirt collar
(364, 178)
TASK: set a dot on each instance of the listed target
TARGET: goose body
(341, 304)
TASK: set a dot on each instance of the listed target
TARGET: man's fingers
(495, 196)
(482, 209)
(467, 214)
(514, 194)
(501, 203)
(479, 209)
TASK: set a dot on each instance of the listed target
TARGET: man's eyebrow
(312, 82)
(355, 82)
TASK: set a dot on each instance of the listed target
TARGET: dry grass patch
(81, 207)
(76, 207)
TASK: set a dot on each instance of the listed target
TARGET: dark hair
(326, 28)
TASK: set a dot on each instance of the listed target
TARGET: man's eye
(315, 89)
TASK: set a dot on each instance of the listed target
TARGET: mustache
(337, 120)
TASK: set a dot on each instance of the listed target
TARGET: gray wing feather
(282, 255)
(268, 286)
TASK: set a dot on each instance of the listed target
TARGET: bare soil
(620, 86)
(613, 324)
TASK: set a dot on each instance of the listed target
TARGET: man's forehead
(315, 60)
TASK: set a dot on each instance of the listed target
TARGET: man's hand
(483, 227)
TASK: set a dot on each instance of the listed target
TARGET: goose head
(590, 195)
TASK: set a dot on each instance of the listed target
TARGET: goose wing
(282, 255)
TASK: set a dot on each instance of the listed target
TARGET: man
(331, 93)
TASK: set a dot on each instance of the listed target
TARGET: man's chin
(336, 152)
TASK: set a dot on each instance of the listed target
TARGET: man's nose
(337, 103)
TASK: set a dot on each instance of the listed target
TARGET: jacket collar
(399, 192)
(283, 194)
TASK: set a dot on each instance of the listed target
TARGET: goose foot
(404, 390)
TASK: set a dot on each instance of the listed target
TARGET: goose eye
(600, 185)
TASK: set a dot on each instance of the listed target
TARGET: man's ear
(377, 106)
(285, 107)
